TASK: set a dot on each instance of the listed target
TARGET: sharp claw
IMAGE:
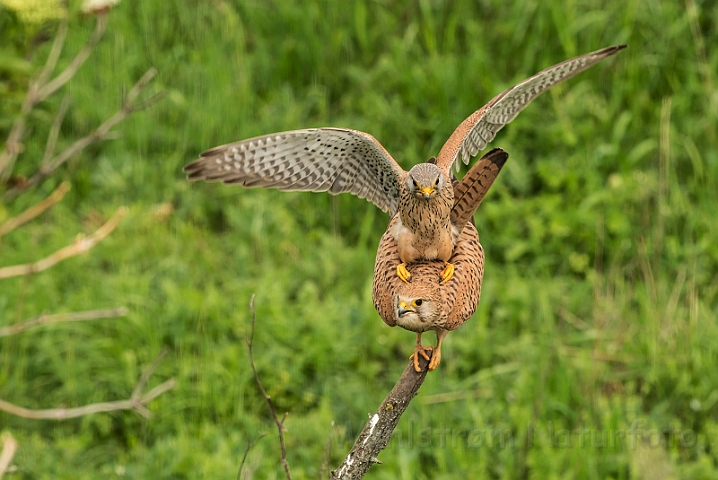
(447, 273)
(403, 273)
(421, 351)
(435, 359)
(417, 368)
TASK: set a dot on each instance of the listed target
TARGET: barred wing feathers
(330, 160)
(480, 128)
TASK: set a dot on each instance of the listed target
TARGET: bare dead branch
(55, 131)
(51, 87)
(62, 318)
(9, 447)
(40, 88)
(57, 45)
(147, 373)
(136, 401)
(377, 432)
(81, 245)
(35, 210)
(280, 424)
(246, 452)
(129, 106)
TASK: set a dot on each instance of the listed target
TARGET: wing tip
(213, 152)
(194, 166)
(612, 50)
(196, 176)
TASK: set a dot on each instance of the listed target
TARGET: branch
(40, 88)
(280, 424)
(81, 245)
(377, 432)
(62, 318)
(246, 452)
(9, 447)
(35, 210)
(53, 85)
(129, 106)
(57, 44)
(136, 401)
(55, 131)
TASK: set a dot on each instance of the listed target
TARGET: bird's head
(418, 311)
(425, 180)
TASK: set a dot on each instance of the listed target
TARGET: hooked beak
(404, 308)
(427, 192)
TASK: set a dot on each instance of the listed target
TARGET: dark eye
(436, 183)
(418, 302)
(416, 185)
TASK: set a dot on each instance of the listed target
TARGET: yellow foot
(435, 359)
(419, 350)
(446, 274)
(403, 273)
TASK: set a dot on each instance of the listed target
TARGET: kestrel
(340, 160)
(425, 304)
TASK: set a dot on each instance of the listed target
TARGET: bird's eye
(436, 183)
(417, 302)
(416, 185)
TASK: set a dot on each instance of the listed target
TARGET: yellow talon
(435, 359)
(419, 350)
(403, 273)
(447, 273)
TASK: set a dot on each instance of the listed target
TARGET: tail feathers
(472, 189)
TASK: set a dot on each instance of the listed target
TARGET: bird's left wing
(330, 160)
(480, 128)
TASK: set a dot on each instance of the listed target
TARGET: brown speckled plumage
(480, 128)
(337, 160)
(459, 296)
(445, 306)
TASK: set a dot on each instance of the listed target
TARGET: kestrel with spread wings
(337, 160)
(425, 304)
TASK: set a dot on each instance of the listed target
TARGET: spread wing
(330, 160)
(480, 128)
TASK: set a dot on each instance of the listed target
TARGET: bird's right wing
(480, 128)
(330, 160)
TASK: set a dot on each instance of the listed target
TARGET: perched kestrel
(341, 160)
(425, 304)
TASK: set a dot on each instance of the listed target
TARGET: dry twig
(35, 210)
(246, 452)
(55, 131)
(280, 424)
(42, 87)
(9, 447)
(377, 432)
(136, 402)
(130, 105)
(81, 245)
(62, 318)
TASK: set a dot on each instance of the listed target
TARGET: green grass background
(593, 352)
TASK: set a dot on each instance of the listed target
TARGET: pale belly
(413, 247)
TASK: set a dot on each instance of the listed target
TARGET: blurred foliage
(597, 325)
(34, 12)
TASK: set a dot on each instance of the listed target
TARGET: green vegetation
(598, 314)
